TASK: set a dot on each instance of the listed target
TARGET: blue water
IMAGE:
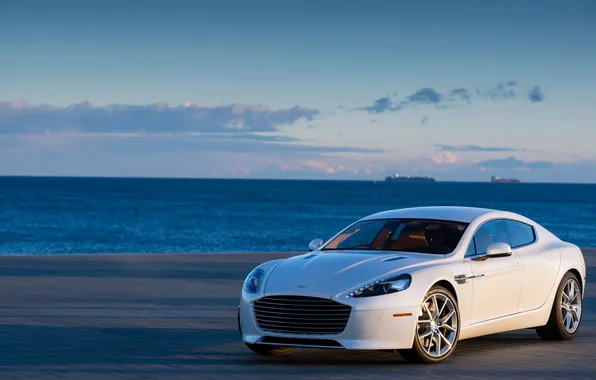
(86, 215)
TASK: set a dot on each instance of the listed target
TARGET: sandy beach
(173, 317)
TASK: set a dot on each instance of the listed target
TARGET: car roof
(453, 213)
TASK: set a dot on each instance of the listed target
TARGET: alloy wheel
(571, 305)
(437, 325)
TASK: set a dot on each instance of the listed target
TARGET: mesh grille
(301, 315)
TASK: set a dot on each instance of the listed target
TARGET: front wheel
(437, 330)
(566, 313)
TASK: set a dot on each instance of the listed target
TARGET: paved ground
(173, 317)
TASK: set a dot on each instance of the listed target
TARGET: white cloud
(445, 158)
(17, 118)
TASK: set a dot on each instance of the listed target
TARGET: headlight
(382, 286)
(253, 281)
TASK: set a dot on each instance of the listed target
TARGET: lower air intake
(301, 342)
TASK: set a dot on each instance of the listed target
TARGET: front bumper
(366, 330)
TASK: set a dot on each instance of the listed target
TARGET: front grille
(301, 315)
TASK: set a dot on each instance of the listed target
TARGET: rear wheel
(437, 330)
(566, 313)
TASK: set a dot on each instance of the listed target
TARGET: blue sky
(459, 90)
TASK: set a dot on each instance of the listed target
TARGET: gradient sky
(460, 90)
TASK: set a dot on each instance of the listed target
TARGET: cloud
(228, 127)
(514, 163)
(328, 149)
(473, 148)
(379, 106)
(319, 165)
(457, 96)
(535, 95)
(178, 155)
(445, 158)
(224, 142)
(461, 93)
(423, 96)
(502, 91)
(248, 136)
(153, 118)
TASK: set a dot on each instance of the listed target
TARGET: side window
(521, 233)
(488, 233)
(471, 248)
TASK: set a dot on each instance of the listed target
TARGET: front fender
(268, 268)
(462, 291)
(423, 279)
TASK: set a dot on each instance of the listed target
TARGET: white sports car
(416, 280)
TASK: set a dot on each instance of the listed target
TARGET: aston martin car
(416, 281)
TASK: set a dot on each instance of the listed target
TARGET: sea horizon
(283, 179)
(80, 215)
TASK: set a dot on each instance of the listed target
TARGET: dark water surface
(87, 215)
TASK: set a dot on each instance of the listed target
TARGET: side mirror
(315, 244)
(498, 250)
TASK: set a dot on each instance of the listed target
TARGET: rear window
(411, 235)
(521, 233)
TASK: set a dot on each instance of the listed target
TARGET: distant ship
(504, 180)
(395, 177)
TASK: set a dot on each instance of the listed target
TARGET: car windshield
(411, 235)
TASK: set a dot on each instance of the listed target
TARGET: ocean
(42, 215)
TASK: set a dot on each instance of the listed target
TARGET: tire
(264, 349)
(565, 316)
(435, 342)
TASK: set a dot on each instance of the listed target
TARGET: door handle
(461, 278)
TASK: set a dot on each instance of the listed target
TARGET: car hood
(326, 274)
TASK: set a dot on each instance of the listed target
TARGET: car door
(540, 264)
(496, 281)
